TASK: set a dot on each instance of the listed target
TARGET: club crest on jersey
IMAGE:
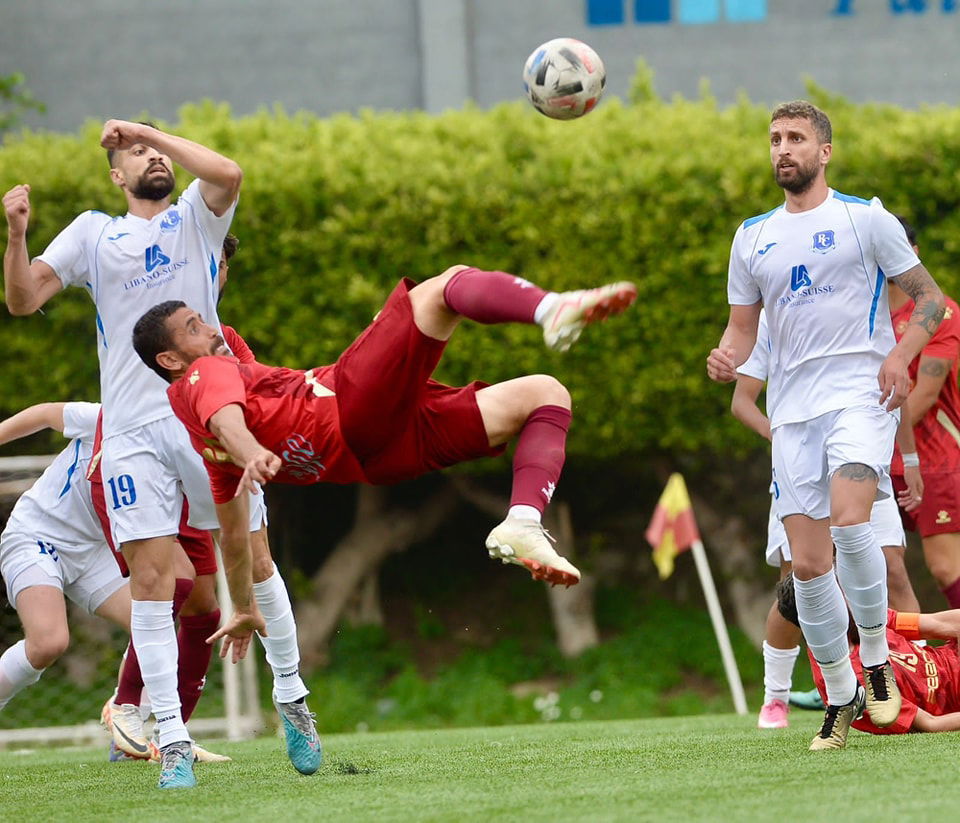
(824, 241)
(171, 221)
(153, 257)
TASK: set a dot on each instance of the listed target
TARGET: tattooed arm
(928, 312)
(931, 376)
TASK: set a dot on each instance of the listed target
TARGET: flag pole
(719, 626)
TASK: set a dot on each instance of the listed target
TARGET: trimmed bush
(333, 211)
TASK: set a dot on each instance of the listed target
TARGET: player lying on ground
(375, 416)
(928, 676)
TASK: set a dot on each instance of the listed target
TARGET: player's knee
(44, 651)
(203, 597)
(546, 390)
(810, 568)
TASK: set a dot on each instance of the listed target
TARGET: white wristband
(911, 460)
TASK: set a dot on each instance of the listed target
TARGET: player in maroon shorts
(933, 407)
(928, 676)
(375, 415)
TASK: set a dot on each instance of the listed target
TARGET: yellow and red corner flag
(673, 528)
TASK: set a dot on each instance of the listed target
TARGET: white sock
(280, 644)
(545, 304)
(524, 512)
(155, 639)
(862, 572)
(824, 619)
(16, 673)
(778, 672)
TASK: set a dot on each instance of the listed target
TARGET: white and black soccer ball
(564, 78)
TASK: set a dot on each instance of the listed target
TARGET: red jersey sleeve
(237, 345)
(223, 484)
(945, 342)
(212, 383)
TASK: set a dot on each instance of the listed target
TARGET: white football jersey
(821, 275)
(128, 265)
(58, 509)
(758, 363)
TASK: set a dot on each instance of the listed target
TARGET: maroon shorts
(197, 544)
(939, 513)
(396, 420)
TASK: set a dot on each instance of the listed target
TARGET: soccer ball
(564, 78)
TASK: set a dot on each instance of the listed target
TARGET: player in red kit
(375, 415)
(933, 408)
(928, 676)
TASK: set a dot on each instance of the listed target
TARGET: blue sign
(613, 12)
(699, 12)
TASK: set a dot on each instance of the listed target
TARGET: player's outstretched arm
(894, 378)
(926, 722)
(31, 420)
(736, 344)
(259, 464)
(220, 177)
(234, 519)
(744, 405)
(26, 286)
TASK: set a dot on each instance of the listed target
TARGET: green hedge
(334, 210)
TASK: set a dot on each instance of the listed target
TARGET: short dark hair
(911, 232)
(803, 110)
(787, 606)
(112, 152)
(230, 246)
(151, 335)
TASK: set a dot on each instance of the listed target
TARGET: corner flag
(673, 528)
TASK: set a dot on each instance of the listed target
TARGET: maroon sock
(952, 593)
(492, 296)
(539, 456)
(130, 686)
(195, 654)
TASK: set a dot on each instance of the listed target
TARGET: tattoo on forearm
(857, 472)
(935, 368)
(928, 312)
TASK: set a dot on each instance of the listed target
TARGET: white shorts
(805, 455)
(88, 575)
(884, 518)
(146, 473)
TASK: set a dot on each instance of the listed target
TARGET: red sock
(130, 687)
(952, 593)
(492, 296)
(539, 456)
(195, 654)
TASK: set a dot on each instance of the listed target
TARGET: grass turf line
(700, 768)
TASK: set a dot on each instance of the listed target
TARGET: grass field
(715, 767)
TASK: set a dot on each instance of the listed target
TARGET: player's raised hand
(720, 365)
(894, 381)
(122, 134)
(16, 204)
(260, 468)
(237, 631)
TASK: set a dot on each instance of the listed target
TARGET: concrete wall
(102, 58)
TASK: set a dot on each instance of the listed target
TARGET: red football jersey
(938, 433)
(290, 412)
(928, 677)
